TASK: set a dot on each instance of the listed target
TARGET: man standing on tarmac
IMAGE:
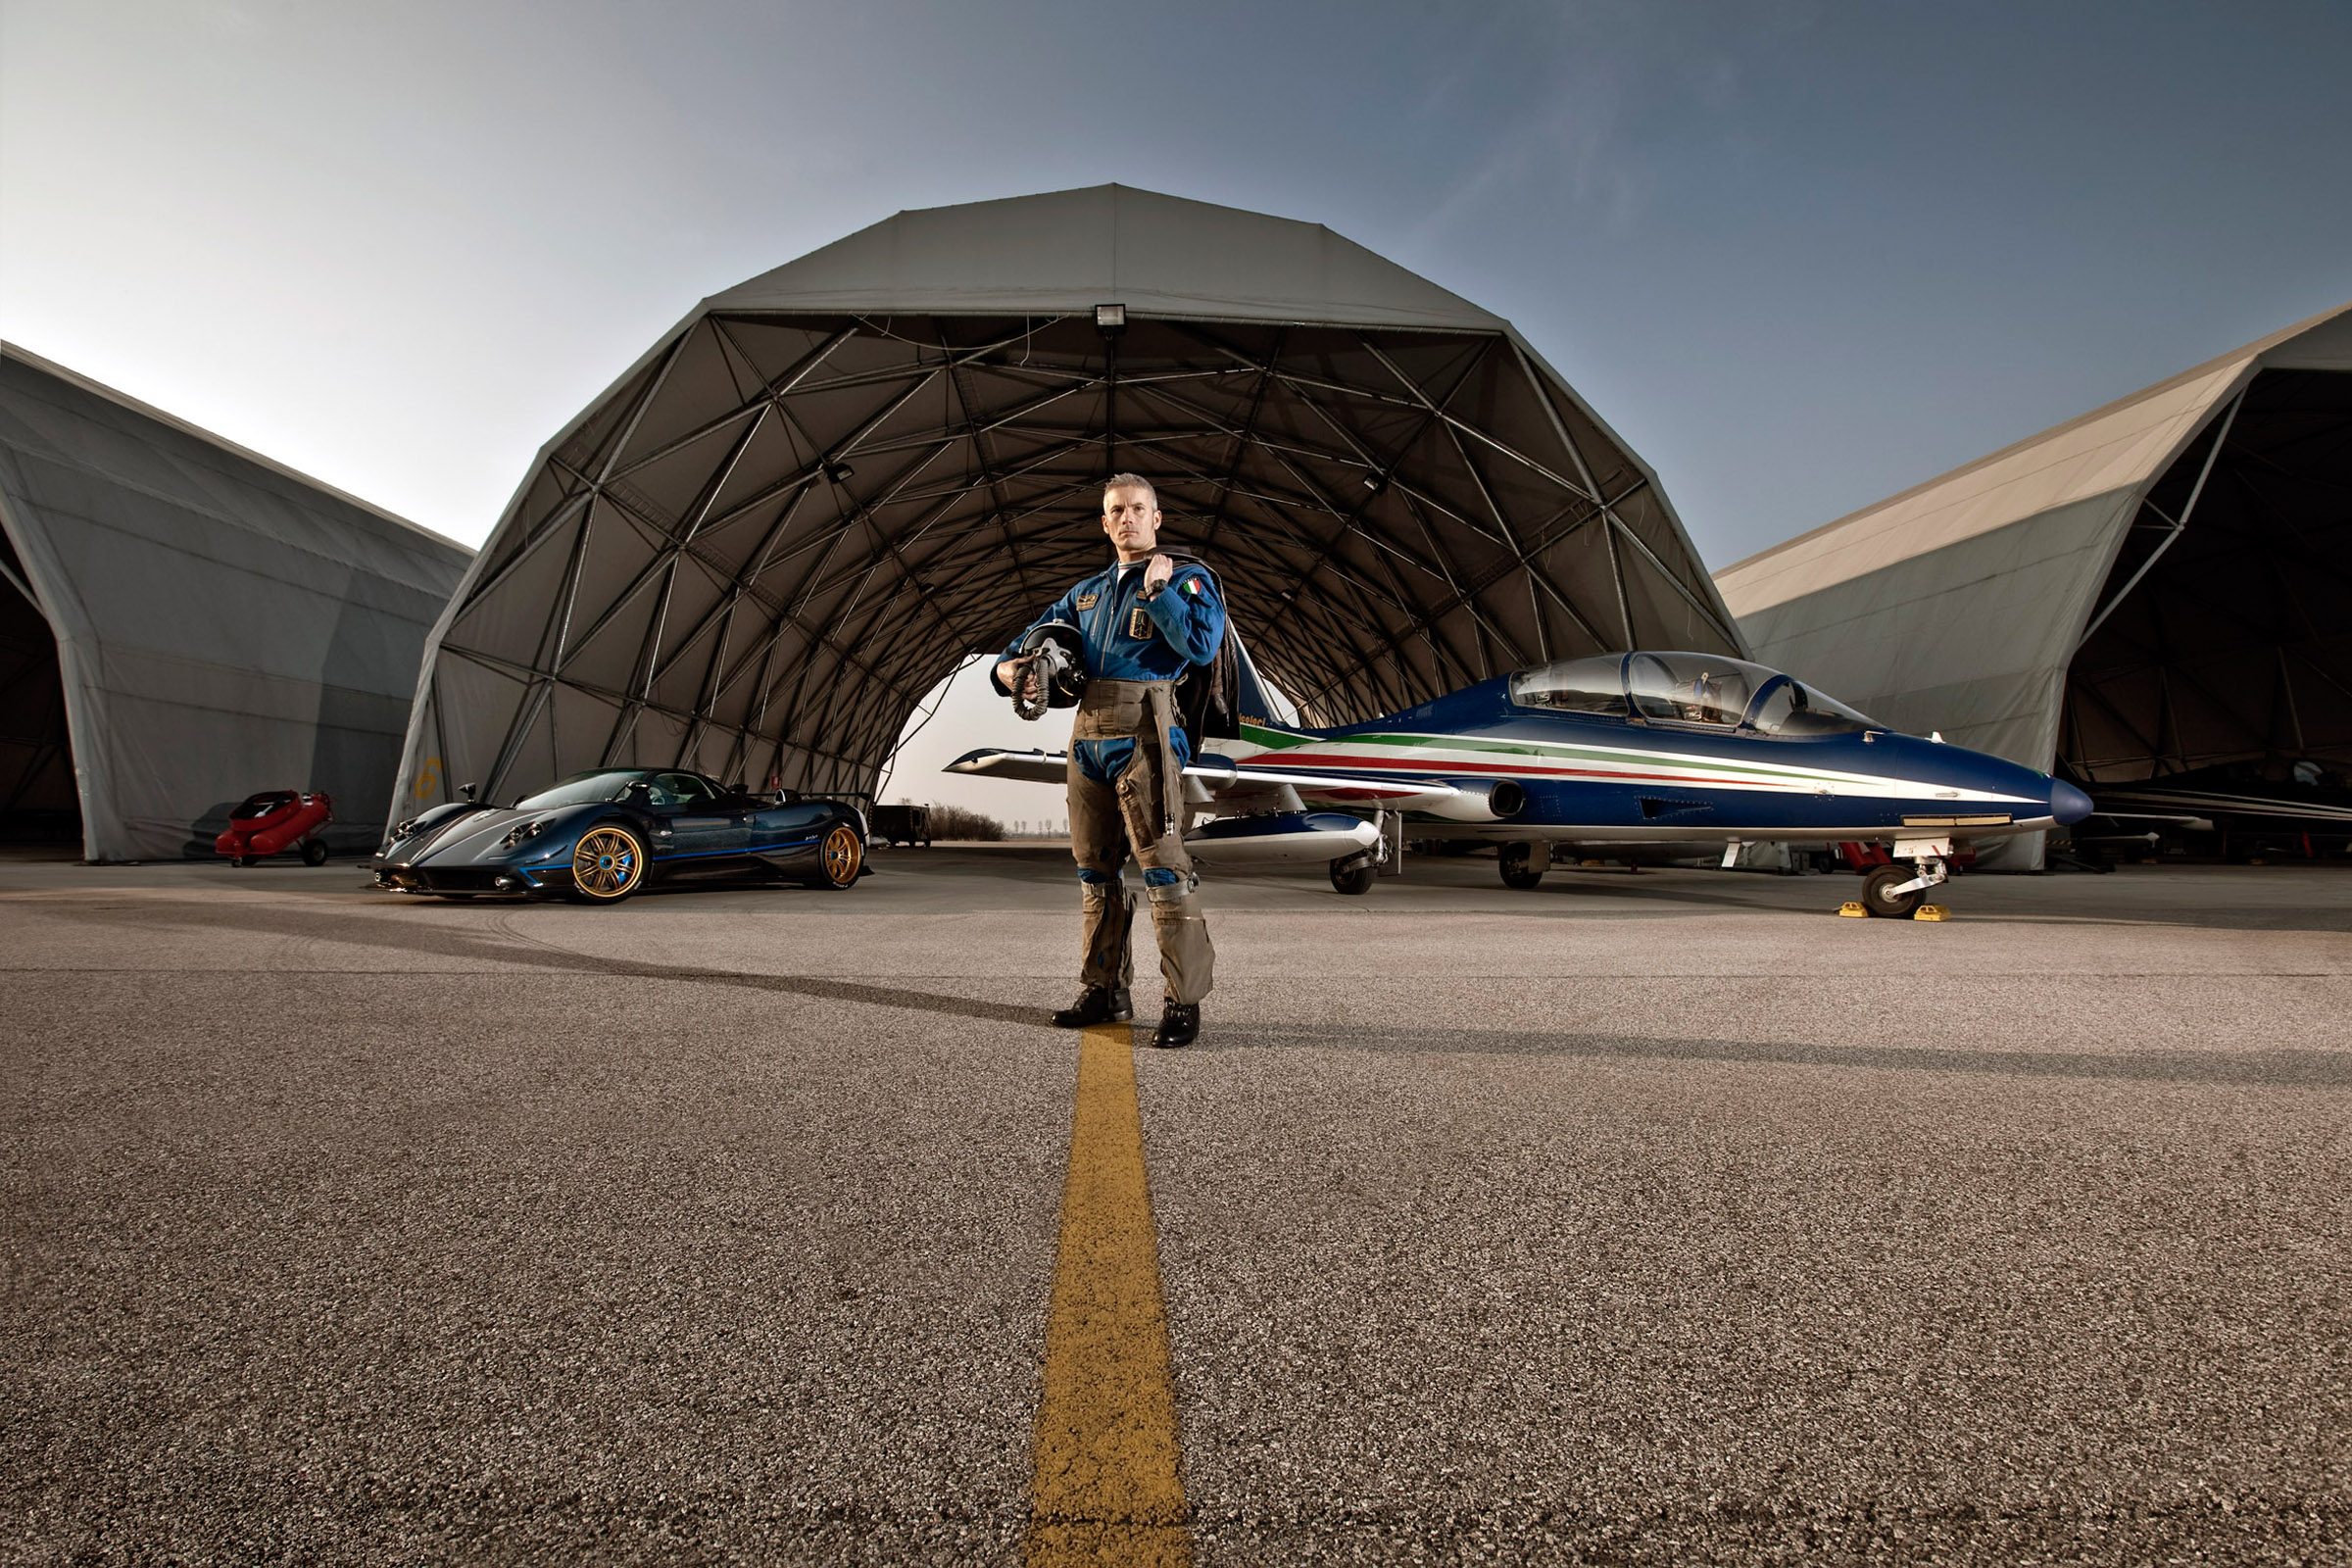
(1146, 622)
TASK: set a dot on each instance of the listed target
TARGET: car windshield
(606, 784)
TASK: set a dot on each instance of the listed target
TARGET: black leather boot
(1096, 1004)
(1179, 1025)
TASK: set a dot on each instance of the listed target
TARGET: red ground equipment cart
(274, 820)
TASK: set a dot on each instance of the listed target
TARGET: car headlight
(528, 830)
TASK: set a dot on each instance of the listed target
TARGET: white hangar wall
(185, 622)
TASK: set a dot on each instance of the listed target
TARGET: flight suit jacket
(1186, 620)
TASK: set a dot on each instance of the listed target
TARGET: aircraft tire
(1353, 874)
(1892, 905)
(1519, 870)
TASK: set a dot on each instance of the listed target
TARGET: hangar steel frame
(761, 549)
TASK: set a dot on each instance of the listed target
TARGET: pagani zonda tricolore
(599, 837)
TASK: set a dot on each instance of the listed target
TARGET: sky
(1800, 255)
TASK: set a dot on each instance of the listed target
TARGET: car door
(781, 831)
(703, 834)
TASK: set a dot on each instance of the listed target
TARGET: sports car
(597, 837)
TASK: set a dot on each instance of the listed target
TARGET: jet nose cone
(2067, 802)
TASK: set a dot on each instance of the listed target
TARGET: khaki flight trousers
(1106, 822)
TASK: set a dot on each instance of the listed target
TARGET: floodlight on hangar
(826, 488)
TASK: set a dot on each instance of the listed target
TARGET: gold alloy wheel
(840, 856)
(607, 866)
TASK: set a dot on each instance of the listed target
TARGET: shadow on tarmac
(2285, 1068)
(442, 943)
(2277, 1069)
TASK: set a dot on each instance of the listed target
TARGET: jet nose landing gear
(1895, 891)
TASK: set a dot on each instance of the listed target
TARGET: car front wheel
(607, 866)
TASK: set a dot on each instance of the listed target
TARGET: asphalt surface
(1659, 1218)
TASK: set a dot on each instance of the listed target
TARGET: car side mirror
(467, 790)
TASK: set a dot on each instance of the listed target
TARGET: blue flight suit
(1114, 779)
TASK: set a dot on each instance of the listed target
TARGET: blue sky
(1801, 254)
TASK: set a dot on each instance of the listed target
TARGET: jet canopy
(1686, 689)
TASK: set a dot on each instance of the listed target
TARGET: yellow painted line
(1109, 1484)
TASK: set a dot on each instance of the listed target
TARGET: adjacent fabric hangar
(2161, 585)
(827, 487)
(183, 623)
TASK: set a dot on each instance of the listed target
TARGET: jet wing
(1034, 768)
(1224, 779)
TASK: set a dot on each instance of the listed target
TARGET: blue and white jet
(1653, 754)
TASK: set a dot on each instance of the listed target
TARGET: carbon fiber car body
(661, 825)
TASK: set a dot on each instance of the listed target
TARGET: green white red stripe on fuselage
(1393, 757)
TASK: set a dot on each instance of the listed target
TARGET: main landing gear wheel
(608, 866)
(1519, 868)
(1353, 874)
(1877, 900)
(838, 860)
(314, 854)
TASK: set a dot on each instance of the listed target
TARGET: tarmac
(1638, 1218)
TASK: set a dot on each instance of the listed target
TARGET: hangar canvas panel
(214, 624)
(827, 487)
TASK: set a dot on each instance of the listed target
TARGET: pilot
(1149, 617)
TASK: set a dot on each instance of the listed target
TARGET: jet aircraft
(1654, 753)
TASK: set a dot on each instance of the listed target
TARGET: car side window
(682, 788)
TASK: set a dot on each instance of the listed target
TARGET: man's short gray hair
(1130, 481)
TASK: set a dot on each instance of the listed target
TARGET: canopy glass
(1684, 688)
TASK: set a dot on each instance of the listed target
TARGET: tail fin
(1260, 703)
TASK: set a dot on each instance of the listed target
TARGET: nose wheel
(1895, 892)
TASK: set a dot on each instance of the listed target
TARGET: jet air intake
(1497, 801)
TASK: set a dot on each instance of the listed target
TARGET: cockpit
(1675, 688)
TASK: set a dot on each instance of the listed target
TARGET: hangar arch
(2158, 586)
(183, 622)
(825, 488)
(2222, 633)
